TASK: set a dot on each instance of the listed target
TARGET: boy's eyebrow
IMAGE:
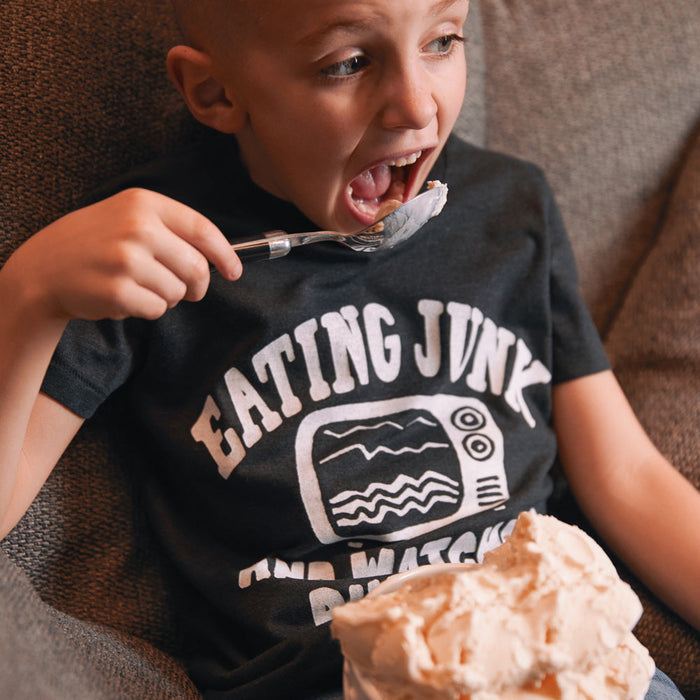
(351, 26)
(343, 26)
(443, 6)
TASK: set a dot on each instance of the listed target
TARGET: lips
(391, 179)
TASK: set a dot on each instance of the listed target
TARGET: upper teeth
(405, 160)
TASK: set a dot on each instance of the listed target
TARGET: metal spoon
(386, 232)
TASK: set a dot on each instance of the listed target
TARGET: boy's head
(337, 105)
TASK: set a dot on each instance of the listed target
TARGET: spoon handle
(271, 245)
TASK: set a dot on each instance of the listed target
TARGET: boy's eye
(444, 44)
(346, 68)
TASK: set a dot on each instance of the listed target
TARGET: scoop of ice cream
(434, 185)
(623, 673)
(388, 206)
(544, 615)
(391, 204)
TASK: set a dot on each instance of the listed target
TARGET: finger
(186, 265)
(202, 234)
(168, 284)
(119, 298)
(156, 252)
(140, 302)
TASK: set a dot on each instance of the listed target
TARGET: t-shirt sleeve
(577, 349)
(92, 360)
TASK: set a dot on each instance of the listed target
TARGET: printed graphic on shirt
(390, 475)
(368, 565)
(392, 470)
(459, 348)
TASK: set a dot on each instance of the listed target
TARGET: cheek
(451, 104)
(319, 146)
(305, 131)
(333, 115)
(460, 85)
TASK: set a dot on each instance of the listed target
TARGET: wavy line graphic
(386, 510)
(401, 482)
(363, 428)
(369, 455)
(377, 426)
(410, 493)
(424, 421)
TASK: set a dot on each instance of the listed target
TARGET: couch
(603, 94)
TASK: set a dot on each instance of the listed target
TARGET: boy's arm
(34, 430)
(50, 430)
(135, 254)
(640, 504)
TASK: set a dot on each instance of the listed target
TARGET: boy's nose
(409, 102)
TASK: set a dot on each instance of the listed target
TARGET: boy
(331, 418)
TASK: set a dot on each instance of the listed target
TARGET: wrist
(25, 304)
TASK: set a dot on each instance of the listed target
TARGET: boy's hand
(137, 253)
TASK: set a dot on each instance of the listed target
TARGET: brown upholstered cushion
(47, 654)
(654, 344)
(84, 95)
(602, 95)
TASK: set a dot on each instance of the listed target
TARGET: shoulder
(207, 175)
(466, 157)
(198, 173)
(491, 176)
(500, 190)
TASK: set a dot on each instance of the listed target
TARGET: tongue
(372, 184)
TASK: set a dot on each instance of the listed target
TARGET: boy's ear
(206, 98)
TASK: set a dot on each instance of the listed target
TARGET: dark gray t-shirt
(336, 417)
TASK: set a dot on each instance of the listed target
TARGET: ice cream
(391, 205)
(386, 208)
(544, 615)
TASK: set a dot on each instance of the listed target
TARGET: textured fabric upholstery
(48, 654)
(604, 96)
(654, 344)
(84, 96)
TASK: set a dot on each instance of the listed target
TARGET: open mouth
(374, 190)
